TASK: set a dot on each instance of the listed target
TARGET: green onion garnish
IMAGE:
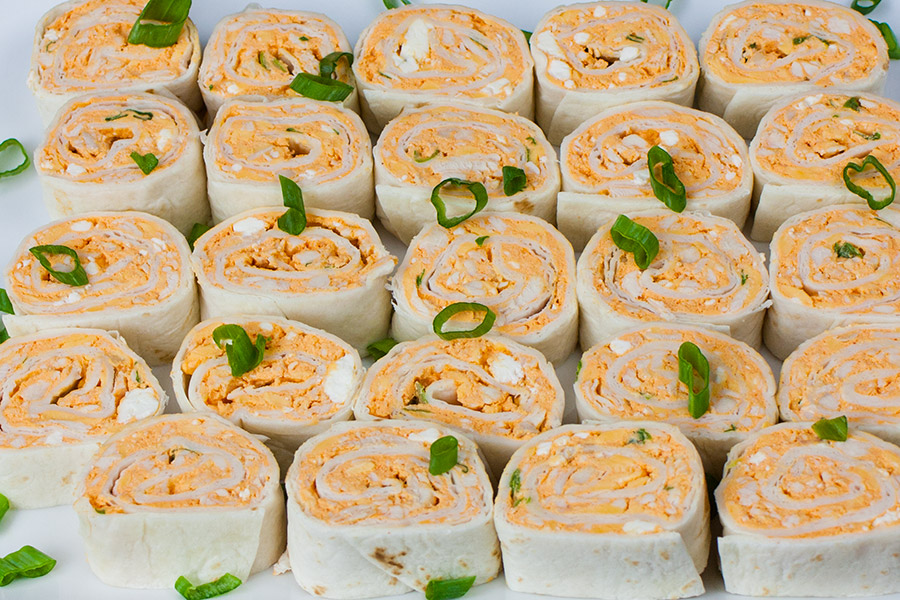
(515, 486)
(634, 38)
(860, 191)
(261, 59)
(635, 238)
(477, 190)
(447, 589)
(417, 156)
(222, 585)
(381, 347)
(666, 5)
(889, 38)
(800, 39)
(321, 88)
(159, 24)
(514, 180)
(197, 230)
(578, 368)
(665, 183)
(444, 454)
(864, 7)
(7, 307)
(640, 437)
(419, 278)
(130, 112)
(146, 162)
(831, 429)
(421, 394)
(328, 64)
(4, 505)
(852, 103)
(457, 307)
(16, 144)
(293, 221)
(27, 561)
(394, 3)
(691, 359)
(527, 35)
(76, 277)
(243, 355)
(868, 136)
(480, 240)
(848, 250)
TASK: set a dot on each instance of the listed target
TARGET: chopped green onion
(447, 589)
(480, 240)
(303, 38)
(860, 191)
(868, 136)
(665, 183)
(7, 307)
(514, 180)
(634, 38)
(889, 38)
(691, 359)
(852, 103)
(222, 585)
(27, 561)
(328, 64)
(421, 394)
(744, 278)
(864, 7)
(635, 238)
(417, 156)
(800, 39)
(831, 429)
(197, 230)
(419, 278)
(243, 355)
(457, 307)
(578, 368)
(293, 221)
(146, 162)
(444, 454)
(321, 88)
(4, 505)
(159, 24)
(130, 112)
(666, 5)
(640, 437)
(393, 3)
(515, 486)
(261, 59)
(279, 65)
(381, 347)
(527, 35)
(16, 144)
(76, 277)
(477, 190)
(848, 250)
(733, 427)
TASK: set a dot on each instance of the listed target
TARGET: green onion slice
(864, 6)
(860, 191)
(76, 277)
(146, 162)
(16, 145)
(666, 5)
(477, 190)
(243, 355)
(159, 24)
(27, 561)
(457, 307)
(130, 112)
(514, 180)
(889, 38)
(293, 221)
(444, 454)
(222, 585)
(848, 250)
(4, 505)
(527, 35)
(394, 3)
(329, 63)
(7, 307)
(197, 230)
(381, 347)
(631, 37)
(321, 88)
(852, 103)
(665, 183)
(691, 359)
(635, 238)
(831, 429)
(447, 589)
(480, 240)
(417, 156)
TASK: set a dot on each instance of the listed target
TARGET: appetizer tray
(54, 530)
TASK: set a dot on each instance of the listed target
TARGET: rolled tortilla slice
(417, 55)
(706, 273)
(81, 46)
(802, 516)
(332, 276)
(140, 282)
(496, 391)
(833, 266)
(754, 53)
(594, 56)
(424, 146)
(605, 170)
(180, 495)
(366, 518)
(845, 371)
(324, 148)
(306, 381)
(803, 145)
(634, 375)
(62, 393)
(609, 511)
(518, 266)
(85, 162)
(259, 51)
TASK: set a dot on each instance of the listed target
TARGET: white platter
(54, 530)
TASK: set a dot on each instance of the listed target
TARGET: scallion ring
(17, 145)
(222, 585)
(197, 230)
(329, 63)
(835, 429)
(7, 307)
(4, 505)
(321, 88)
(394, 3)
(137, 114)
(663, 180)
(293, 221)
(443, 455)
(666, 5)
(447, 589)
(380, 348)
(457, 307)
(76, 277)
(477, 190)
(862, 192)
(514, 180)
(691, 360)
(160, 23)
(27, 561)
(864, 7)
(146, 162)
(243, 355)
(635, 238)
(889, 38)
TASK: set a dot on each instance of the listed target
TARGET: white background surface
(54, 530)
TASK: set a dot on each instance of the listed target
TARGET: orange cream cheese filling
(178, 462)
(448, 50)
(788, 483)
(770, 42)
(625, 480)
(704, 267)
(66, 388)
(378, 475)
(811, 271)
(130, 260)
(94, 140)
(608, 46)
(260, 51)
(86, 48)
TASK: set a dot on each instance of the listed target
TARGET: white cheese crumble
(249, 226)
(137, 404)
